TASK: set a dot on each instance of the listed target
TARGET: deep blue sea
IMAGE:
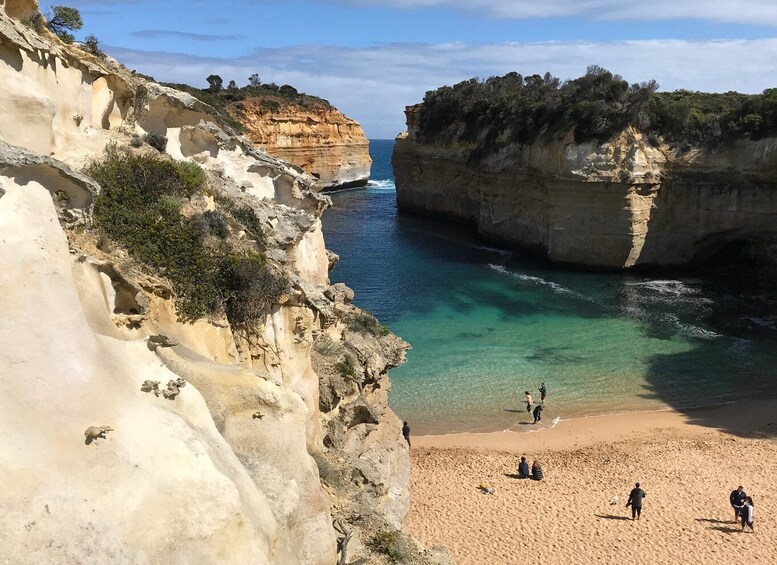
(486, 324)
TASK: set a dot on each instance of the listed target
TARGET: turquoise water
(486, 324)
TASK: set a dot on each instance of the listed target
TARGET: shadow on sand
(611, 517)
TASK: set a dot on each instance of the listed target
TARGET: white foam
(555, 287)
(381, 184)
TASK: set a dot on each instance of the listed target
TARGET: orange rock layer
(321, 140)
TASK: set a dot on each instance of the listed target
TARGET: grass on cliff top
(489, 114)
(227, 101)
(139, 207)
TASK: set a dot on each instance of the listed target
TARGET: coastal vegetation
(228, 100)
(141, 207)
(491, 113)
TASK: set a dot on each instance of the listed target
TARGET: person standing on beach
(529, 401)
(406, 433)
(635, 501)
(543, 393)
(747, 514)
(737, 498)
(537, 413)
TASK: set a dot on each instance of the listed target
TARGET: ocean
(487, 324)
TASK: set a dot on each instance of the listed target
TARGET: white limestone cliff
(227, 471)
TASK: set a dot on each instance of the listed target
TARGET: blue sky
(370, 58)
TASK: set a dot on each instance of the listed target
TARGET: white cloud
(374, 84)
(740, 11)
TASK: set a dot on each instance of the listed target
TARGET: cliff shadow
(736, 400)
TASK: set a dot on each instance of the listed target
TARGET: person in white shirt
(747, 514)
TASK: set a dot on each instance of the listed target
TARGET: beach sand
(687, 463)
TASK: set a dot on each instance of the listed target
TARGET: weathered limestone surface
(619, 204)
(320, 140)
(226, 468)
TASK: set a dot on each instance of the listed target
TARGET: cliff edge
(316, 137)
(180, 382)
(592, 183)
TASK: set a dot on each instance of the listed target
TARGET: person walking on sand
(406, 433)
(529, 401)
(537, 413)
(747, 514)
(635, 501)
(737, 498)
(543, 393)
(523, 469)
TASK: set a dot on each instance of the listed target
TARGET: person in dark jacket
(406, 432)
(536, 471)
(737, 498)
(747, 514)
(537, 413)
(523, 469)
(635, 501)
(543, 393)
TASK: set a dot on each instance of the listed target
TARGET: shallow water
(486, 324)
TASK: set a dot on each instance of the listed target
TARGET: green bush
(346, 367)
(250, 222)
(92, 45)
(364, 323)
(139, 207)
(136, 141)
(489, 114)
(387, 543)
(212, 223)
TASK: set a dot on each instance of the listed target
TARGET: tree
(62, 20)
(92, 45)
(215, 83)
(232, 85)
(253, 80)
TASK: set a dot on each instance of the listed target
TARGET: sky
(371, 58)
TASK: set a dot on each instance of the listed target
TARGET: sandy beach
(686, 462)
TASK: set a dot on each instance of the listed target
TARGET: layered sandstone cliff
(270, 440)
(619, 204)
(320, 139)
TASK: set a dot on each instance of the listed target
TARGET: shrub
(328, 347)
(249, 287)
(136, 141)
(387, 543)
(139, 207)
(364, 323)
(92, 45)
(346, 367)
(246, 217)
(34, 21)
(139, 101)
(157, 141)
(212, 223)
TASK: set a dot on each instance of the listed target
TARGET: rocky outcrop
(319, 139)
(620, 204)
(225, 468)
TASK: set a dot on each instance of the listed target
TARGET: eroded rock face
(320, 140)
(227, 463)
(614, 205)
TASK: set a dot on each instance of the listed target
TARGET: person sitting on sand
(543, 393)
(635, 501)
(529, 401)
(747, 514)
(537, 413)
(523, 469)
(536, 471)
(737, 498)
